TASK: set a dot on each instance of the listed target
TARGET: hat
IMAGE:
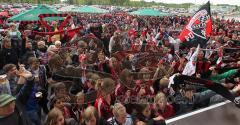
(6, 99)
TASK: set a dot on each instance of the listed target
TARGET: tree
(106, 2)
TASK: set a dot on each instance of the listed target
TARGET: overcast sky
(231, 2)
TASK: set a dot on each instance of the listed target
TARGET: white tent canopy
(67, 8)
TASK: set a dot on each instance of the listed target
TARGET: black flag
(218, 88)
(199, 27)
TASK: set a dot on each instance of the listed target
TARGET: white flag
(190, 68)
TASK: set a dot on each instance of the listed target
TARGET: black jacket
(8, 56)
(149, 121)
(26, 56)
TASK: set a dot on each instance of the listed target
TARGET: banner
(216, 87)
(199, 28)
(43, 22)
(58, 32)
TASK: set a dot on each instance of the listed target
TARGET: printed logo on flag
(199, 27)
(198, 24)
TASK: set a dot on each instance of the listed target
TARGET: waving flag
(199, 28)
(216, 87)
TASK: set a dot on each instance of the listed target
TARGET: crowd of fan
(119, 82)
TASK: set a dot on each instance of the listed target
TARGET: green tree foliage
(106, 2)
(32, 1)
(128, 3)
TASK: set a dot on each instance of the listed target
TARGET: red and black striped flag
(199, 28)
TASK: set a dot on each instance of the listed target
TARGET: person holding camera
(12, 109)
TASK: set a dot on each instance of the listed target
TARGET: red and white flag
(199, 28)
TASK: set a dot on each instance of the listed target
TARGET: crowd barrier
(225, 113)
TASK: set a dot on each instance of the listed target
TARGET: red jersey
(121, 92)
(103, 108)
(202, 66)
(168, 111)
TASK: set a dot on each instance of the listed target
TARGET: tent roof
(32, 15)
(89, 9)
(149, 12)
(66, 8)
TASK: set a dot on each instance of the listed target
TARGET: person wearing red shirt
(144, 87)
(162, 107)
(125, 88)
(203, 64)
(102, 103)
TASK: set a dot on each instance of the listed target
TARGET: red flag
(199, 28)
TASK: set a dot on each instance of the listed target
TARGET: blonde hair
(81, 44)
(51, 48)
(80, 95)
(89, 113)
(94, 79)
(53, 116)
(164, 82)
(160, 97)
(118, 109)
